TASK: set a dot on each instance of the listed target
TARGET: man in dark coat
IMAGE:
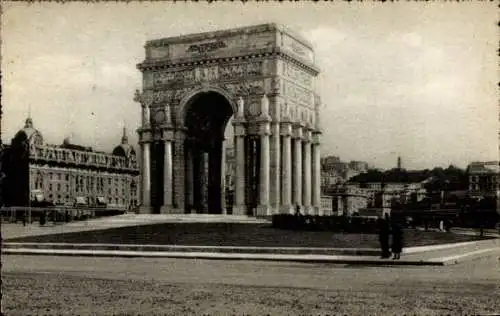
(383, 237)
(397, 240)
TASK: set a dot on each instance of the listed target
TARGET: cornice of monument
(168, 63)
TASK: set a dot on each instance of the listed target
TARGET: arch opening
(207, 125)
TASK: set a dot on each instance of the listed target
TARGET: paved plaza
(230, 238)
(138, 286)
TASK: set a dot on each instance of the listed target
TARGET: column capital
(239, 130)
(239, 121)
(264, 128)
(307, 135)
(297, 131)
(286, 129)
(168, 134)
(262, 119)
(145, 135)
(316, 138)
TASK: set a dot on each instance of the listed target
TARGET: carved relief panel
(212, 73)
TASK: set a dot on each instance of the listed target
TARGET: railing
(59, 155)
(54, 214)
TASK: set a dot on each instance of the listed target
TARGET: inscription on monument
(206, 47)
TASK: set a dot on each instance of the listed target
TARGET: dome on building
(33, 136)
(124, 149)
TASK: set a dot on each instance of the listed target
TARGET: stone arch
(185, 101)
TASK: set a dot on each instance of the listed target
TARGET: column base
(318, 211)
(287, 209)
(169, 209)
(145, 209)
(240, 210)
(264, 210)
(308, 210)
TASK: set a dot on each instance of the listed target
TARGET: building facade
(334, 171)
(68, 174)
(484, 179)
(263, 77)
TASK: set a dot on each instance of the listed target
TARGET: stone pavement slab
(429, 255)
(311, 258)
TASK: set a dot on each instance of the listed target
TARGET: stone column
(197, 180)
(286, 168)
(316, 173)
(264, 208)
(223, 179)
(189, 178)
(297, 167)
(214, 178)
(167, 178)
(145, 115)
(275, 162)
(239, 207)
(306, 192)
(146, 178)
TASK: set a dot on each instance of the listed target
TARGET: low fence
(369, 224)
(334, 223)
(54, 214)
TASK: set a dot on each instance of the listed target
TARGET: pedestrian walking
(383, 237)
(298, 217)
(397, 240)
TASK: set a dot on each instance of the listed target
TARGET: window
(58, 187)
(67, 177)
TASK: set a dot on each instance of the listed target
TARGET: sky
(416, 80)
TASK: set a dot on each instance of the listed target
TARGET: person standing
(383, 237)
(397, 240)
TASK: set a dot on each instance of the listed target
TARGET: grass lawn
(238, 234)
(59, 294)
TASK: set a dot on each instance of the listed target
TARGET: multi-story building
(334, 171)
(381, 195)
(484, 179)
(68, 174)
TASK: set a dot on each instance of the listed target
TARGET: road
(299, 288)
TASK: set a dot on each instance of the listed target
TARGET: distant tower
(124, 136)
(400, 164)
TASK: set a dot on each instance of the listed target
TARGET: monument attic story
(189, 38)
(236, 43)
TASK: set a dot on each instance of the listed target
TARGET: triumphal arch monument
(261, 79)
